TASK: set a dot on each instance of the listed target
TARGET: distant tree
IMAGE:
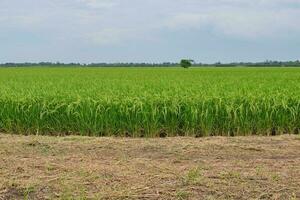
(218, 63)
(186, 63)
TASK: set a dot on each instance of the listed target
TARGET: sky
(207, 31)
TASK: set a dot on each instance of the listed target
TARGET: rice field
(150, 102)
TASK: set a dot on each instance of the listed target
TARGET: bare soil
(38, 167)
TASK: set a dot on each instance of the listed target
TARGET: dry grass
(34, 167)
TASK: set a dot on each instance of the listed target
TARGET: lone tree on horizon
(186, 63)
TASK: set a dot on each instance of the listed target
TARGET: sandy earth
(36, 167)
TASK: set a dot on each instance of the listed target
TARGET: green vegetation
(150, 101)
(186, 63)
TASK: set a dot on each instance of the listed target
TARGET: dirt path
(33, 167)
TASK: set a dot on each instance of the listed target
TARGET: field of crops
(150, 102)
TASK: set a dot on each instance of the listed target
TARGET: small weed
(275, 177)
(193, 176)
(50, 168)
(182, 195)
(259, 170)
(27, 192)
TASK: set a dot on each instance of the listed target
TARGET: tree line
(183, 63)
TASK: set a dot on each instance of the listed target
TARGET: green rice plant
(150, 102)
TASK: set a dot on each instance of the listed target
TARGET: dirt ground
(37, 167)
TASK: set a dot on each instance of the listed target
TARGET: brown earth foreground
(36, 167)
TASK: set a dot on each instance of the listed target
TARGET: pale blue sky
(149, 30)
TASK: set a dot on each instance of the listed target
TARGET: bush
(186, 63)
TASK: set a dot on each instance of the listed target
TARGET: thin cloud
(109, 36)
(154, 28)
(99, 3)
(240, 22)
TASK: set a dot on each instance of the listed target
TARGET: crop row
(165, 117)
